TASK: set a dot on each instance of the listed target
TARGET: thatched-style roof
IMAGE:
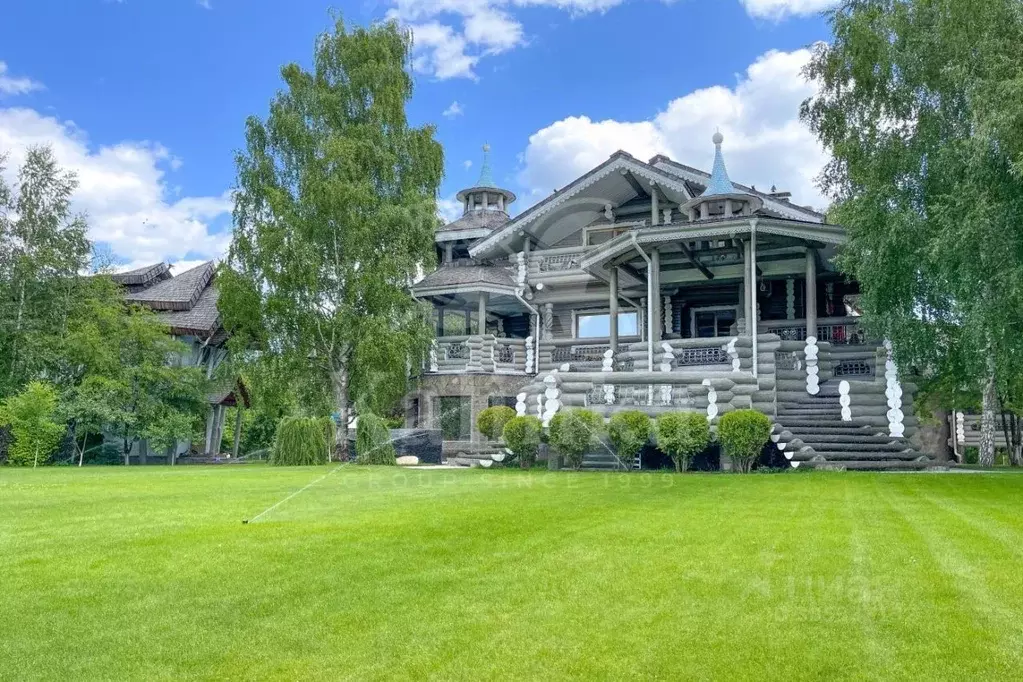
(177, 293)
(467, 276)
(229, 394)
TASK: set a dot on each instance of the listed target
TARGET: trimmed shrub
(522, 435)
(491, 421)
(301, 441)
(575, 431)
(743, 435)
(373, 441)
(629, 432)
(682, 436)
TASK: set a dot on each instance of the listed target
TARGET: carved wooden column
(655, 300)
(481, 324)
(613, 308)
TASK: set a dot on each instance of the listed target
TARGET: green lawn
(149, 573)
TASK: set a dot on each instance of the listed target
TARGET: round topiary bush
(491, 421)
(629, 432)
(743, 435)
(682, 436)
(373, 441)
(522, 435)
(575, 431)
(301, 441)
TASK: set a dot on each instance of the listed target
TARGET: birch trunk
(339, 382)
(987, 418)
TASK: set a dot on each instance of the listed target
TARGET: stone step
(854, 446)
(872, 465)
(857, 455)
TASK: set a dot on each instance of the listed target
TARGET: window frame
(596, 312)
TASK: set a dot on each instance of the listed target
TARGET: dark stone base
(425, 444)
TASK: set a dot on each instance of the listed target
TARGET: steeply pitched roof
(719, 183)
(202, 319)
(140, 278)
(486, 176)
(177, 293)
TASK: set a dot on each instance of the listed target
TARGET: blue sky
(146, 99)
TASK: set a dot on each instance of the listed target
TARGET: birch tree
(334, 215)
(919, 107)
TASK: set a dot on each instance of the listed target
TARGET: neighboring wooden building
(657, 286)
(187, 303)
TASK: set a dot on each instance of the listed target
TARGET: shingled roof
(451, 276)
(187, 303)
(141, 278)
(478, 219)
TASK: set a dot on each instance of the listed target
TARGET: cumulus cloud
(765, 143)
(467, 164)
(779, 9)
(451, 36)
(449, 209)
(10, 85)
(454, 110)
(123, 191)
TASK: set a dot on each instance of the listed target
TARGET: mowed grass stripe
(148, 573)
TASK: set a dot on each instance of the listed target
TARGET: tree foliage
(301, 441)
(743, 435)
(30, 415)
(919, 106)
(334, 218)
(523, 436)
(682, 436)
(629, 432)
(43, 250)
(373, 443)
(575, 431)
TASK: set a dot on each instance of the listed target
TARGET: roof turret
(485, 195)
(721, 199)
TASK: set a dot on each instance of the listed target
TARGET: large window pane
(596, 326)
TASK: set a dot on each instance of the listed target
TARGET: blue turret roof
(486, 176)
(719, 183)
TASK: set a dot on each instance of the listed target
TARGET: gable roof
(619, 161)
(143, 277)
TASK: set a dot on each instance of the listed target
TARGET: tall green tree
(43, 251)
(334, 216)
(919, 106)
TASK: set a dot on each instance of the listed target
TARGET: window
(501, 401)
(711, 322)
(454, 413)
(598, 325)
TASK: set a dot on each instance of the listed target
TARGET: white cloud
(449, 209)
(452, 35)
(9, 85)
(205, 4)
(765, 143)
(123, 191)
(467, 164)
(454, 110)
(779, 9)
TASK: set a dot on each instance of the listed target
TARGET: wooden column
(655, 300)
(811, 292)
(468, 322)
(747, 286)
(448, 252)
(481, 324)
(440, 319)
(612, 304)
(210, 419)
(237, 430)
(653, 204)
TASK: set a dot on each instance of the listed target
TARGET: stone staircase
(811, 433)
